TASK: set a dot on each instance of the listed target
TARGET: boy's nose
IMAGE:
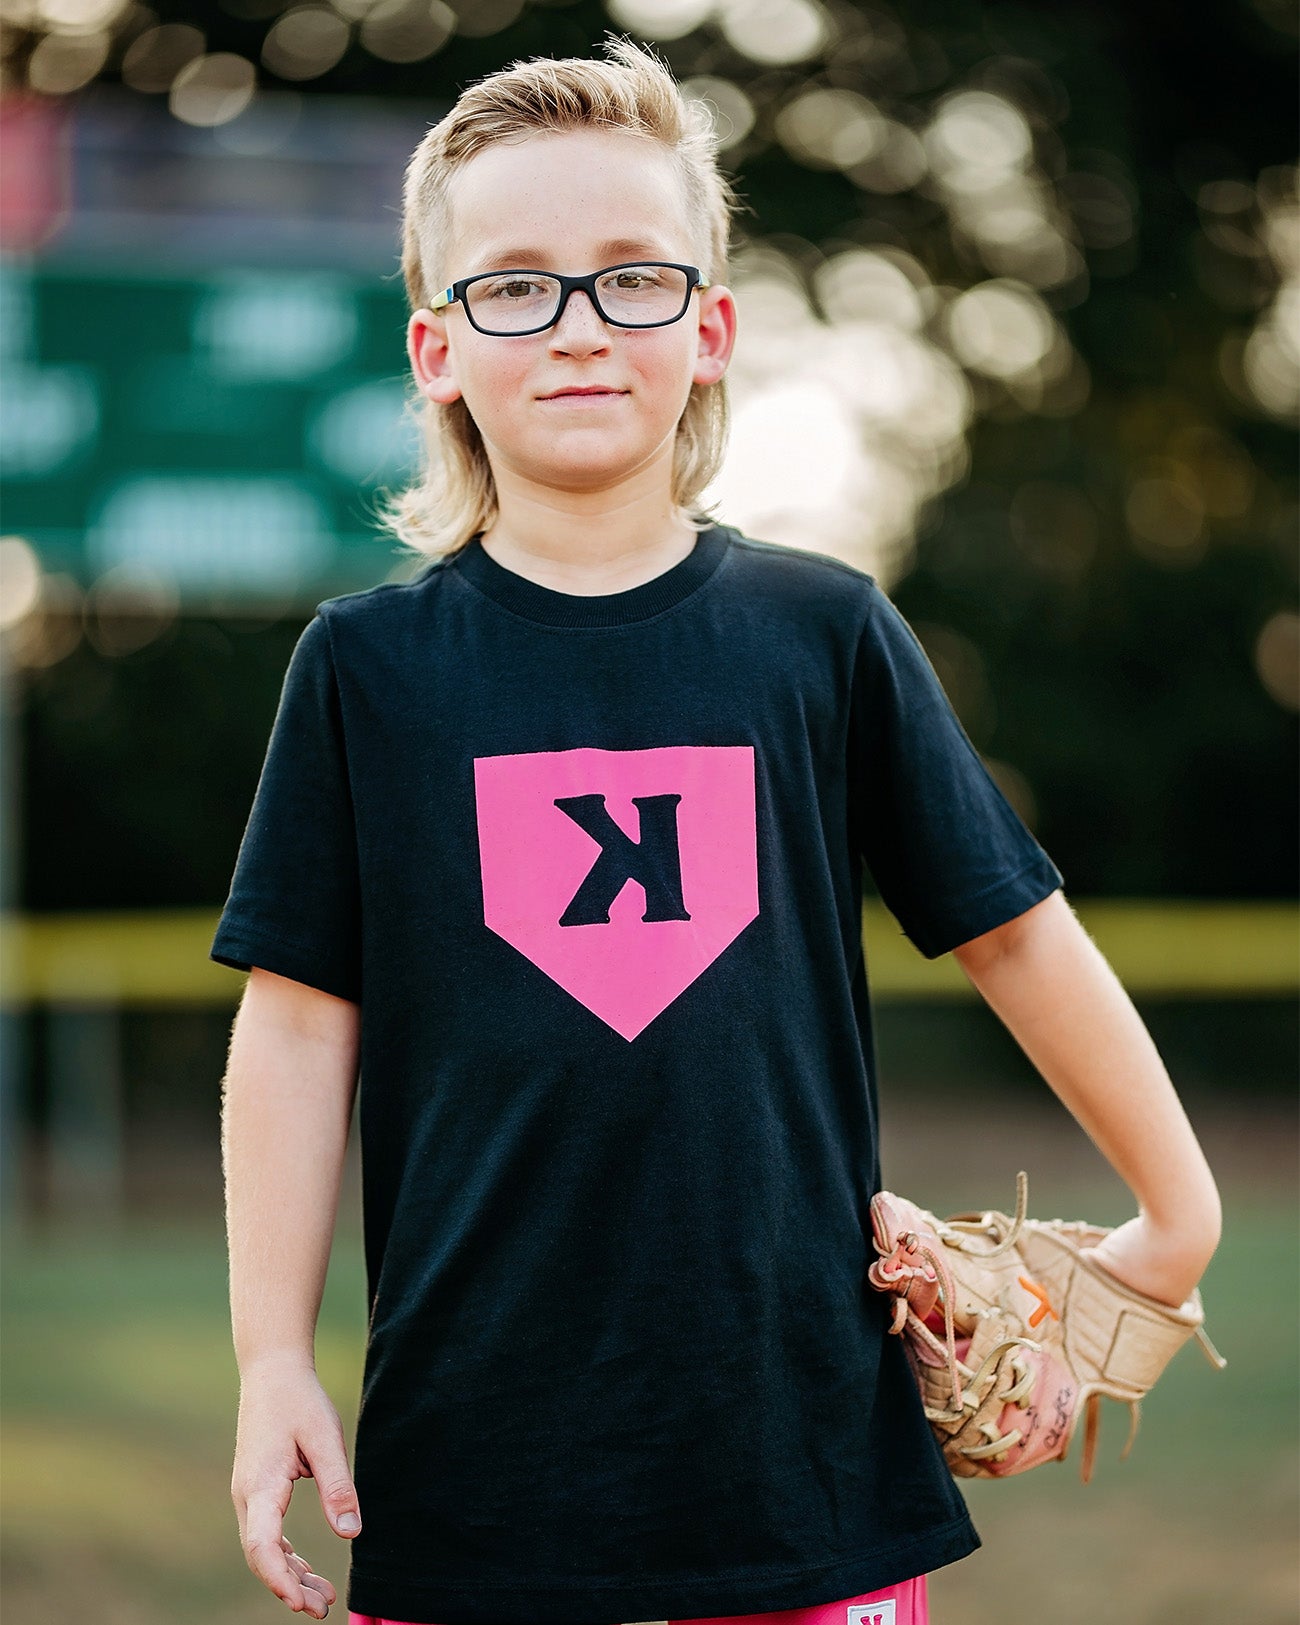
(580, 323)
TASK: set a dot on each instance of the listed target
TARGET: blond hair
(454, 495)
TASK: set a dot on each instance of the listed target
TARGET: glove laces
(888, 1269)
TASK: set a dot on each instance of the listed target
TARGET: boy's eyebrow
(529, 259)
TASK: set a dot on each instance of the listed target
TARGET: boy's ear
(717, 335)
(426, 345)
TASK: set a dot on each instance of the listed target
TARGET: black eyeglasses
(506, 304)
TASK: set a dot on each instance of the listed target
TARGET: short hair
(454, 495)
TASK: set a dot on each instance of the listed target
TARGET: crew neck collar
(544, 604)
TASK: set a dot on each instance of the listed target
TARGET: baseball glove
(1013, 1330)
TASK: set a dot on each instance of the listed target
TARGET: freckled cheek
(498, 394)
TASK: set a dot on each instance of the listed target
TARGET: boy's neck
(588, 552)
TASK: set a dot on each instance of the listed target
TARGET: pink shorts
(902, 1604)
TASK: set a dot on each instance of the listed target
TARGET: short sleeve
(294, 904)
(949, 854)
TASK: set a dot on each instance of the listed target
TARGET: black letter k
(654, 863)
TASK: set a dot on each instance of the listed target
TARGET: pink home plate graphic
(622, 874)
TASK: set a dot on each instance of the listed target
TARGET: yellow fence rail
(1158, 949)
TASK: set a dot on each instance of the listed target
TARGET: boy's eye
(513, 288)
(633, 281)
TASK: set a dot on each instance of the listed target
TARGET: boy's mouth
(579, 392)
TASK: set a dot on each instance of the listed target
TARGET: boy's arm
(1049, 984)
(286, 1110)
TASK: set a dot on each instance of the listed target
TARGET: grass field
(119, 1397)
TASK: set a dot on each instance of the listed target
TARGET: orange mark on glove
(1044, 1305)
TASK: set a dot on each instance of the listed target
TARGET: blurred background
(1019, 290)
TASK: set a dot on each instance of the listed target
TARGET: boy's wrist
(277, 1360)
(1195, 1239)
(1163, 1264)
(1186, 1241)
(1190, 1218)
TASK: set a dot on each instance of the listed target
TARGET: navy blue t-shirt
(592, 867)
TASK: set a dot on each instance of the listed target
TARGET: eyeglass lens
(631, 295)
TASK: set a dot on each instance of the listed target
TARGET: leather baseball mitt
(1013, 1331)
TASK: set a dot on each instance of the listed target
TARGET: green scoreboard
(224, 434)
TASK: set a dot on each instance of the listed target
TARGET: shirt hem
(1002, 900)
(240, 948)
(599, 1602)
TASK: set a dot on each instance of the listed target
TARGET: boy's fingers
(319, 1594)
(309, 1578)
(264, 1548)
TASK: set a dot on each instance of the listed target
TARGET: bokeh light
(48, 414)
(729, 108)
(46, 624)
(887, 285)
(897, 164)
(1261, 225)
(976, 139)
(305, 41)
(153, 60)
(129, 607)
(78, 16)
(1166, 516)
(1000, 328)
(1220, 468)
(62, 63)
(275, 325)
(1277, 658)
(407, 30)
(982, 154)
(660, 19)
(775, 32)
(363, 434)
(20, 579)
(213, 88)
(843, 426)
(831, 129)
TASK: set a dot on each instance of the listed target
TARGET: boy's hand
(288, 1429)
(1164, 1264)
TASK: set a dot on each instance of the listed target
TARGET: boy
(577, 817)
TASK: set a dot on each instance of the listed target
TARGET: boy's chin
(577, 472)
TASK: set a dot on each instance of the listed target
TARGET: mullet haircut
(454, 495)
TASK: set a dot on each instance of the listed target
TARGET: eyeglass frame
(568, 284)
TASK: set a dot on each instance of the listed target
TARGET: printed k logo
(873, 1613)
(654, 862)
(621, 874)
